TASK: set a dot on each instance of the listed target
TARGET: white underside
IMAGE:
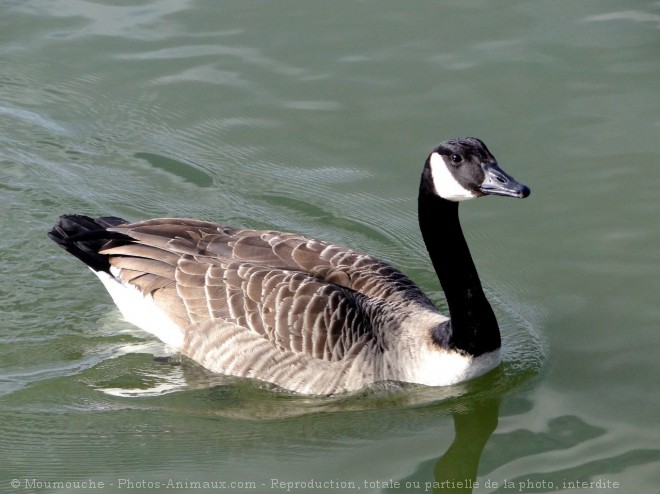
(443, 368)
(141, 311)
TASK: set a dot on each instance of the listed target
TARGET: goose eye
(456, 158)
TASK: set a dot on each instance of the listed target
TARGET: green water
(316, 118)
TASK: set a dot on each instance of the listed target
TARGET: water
(316, 118)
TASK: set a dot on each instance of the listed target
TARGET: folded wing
(300, 295)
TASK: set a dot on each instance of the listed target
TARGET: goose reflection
(456, 470)
(196, 393)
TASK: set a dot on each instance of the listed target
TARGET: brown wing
(290, 309)
(205, 275)
(277, 250)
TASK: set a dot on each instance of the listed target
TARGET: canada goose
(307, 315)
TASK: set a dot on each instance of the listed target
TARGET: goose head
(463, 168)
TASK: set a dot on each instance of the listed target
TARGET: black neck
(472, 327)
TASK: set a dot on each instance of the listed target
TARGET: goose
(306, 315)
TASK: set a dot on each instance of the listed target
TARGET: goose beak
(498, 183)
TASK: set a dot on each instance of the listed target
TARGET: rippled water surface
(316, 118)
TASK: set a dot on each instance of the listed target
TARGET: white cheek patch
(446, 186)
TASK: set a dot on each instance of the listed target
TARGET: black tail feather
(84, 237)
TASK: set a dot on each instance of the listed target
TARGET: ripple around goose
(307, 315)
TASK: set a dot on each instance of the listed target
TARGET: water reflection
(456, 470)
(475, 419)
(385, 411)
(359, 416)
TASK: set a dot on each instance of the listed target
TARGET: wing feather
(296, 295)
(284, 251)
